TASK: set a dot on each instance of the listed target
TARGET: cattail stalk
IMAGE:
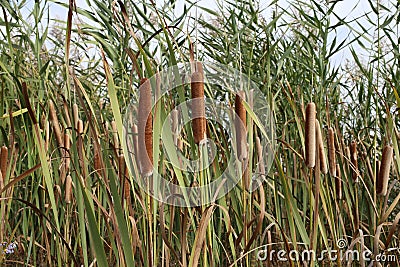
(66, 158)
(310, 135)
(354, 160)
(198, 107)
(68, 189)
(174, 125)
(123, 176)
(115, 135)
(260, 153)
(145, 129)
(384, 171)
(67, 118)
(56, 125)
(331, 152)
(240, 126)
(338, 182)
(321, 149)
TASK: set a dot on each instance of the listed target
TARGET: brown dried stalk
(331, 152)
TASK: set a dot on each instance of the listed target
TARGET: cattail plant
(331, 152)
(384, 171)
(68, 189)
(174, 125)
(3, 160)
(240, 126)
(75, 112)
(122, 173)
(198, 107)
(354, 160)
(199, 67)
(3, 164)
(310, 134)
(321, 150)
(96, 159)
(145, 129)
(66, 158)
(115, 135)
(338, 182)
(261, 165)
(56, 125)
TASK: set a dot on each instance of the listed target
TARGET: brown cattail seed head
(145, 129)
(331, 151)
(321, 150)
(56, 125)
(354, 160)
(384, 171)
(96, 159)
(198, 107)
(240, 126)
(3, 160)
(68, 189)
(310, 134)
(338, 182)
(80, 127)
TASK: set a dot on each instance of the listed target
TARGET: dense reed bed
(69, 198)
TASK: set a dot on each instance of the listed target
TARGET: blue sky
(345, 8)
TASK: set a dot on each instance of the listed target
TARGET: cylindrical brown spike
(76, 115)
(240, 126)
(80, 127)
(56, 125)
(338, 182)
(310, 135)
(321, 150)
(96, 160)
(354, 160)
(3, 161)
(384, 171)
(331, 152)
(145, 129)
(198, 107)
(68, 189)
